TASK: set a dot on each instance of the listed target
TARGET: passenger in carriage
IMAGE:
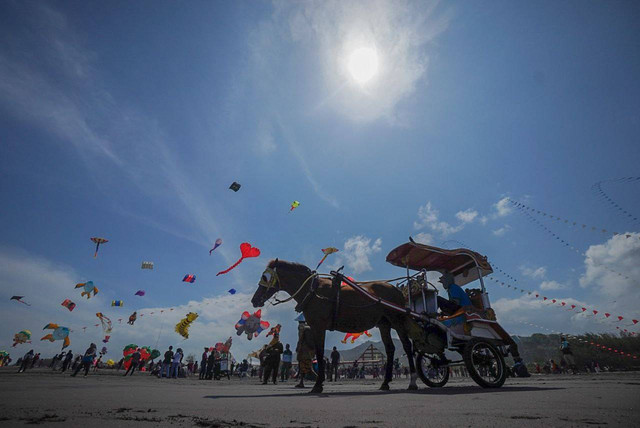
(458, 298)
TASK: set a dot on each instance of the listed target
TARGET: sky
(129, 121)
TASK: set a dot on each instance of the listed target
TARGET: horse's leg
(385, 332)
(318, 339)
(408, 349)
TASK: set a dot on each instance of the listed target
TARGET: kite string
(597, 187)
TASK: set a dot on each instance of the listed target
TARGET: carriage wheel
(485, 363)
(430, 372)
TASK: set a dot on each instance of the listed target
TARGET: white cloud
(423, 238)
(502, 208)
(551, 285)
(483, 220)
(400, 32)
(467, 216)
(356, 253)
(502, 231)
(428, 217)
(534, 273)
(608, 264)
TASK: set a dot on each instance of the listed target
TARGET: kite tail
(233, 266)
(325, 256)
(96, 253)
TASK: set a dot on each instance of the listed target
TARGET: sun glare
(363, 64)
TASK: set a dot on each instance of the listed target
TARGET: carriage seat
(475, 295)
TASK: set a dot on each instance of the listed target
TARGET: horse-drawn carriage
(336, 302)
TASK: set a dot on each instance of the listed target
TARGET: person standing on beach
(285, 367)
(26, 361)
(203, 364)
(87, 359)
(166, 363)
(211, 362)
(272, 360)
(135, 360)
(177, 362)
(67, 361)
(335, 363)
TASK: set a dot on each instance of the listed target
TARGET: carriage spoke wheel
(429, 372)
(485, 363)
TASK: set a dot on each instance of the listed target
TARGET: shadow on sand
(461, 390)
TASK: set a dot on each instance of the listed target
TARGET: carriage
(471, 331)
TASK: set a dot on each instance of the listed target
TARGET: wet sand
(104, 399)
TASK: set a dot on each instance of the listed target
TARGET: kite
(147, 265)
(275, 330)
(22, 337)
(154, 354)
(232, 291)
(98, 241)
(247, 251)
(68, 304)
(294, 205)
(139, 293)
(117, 303)
(110, 362)
(224, 348)
(88, 288)
(216, 245)
(189, 278)
(182, 328)
(103, 350)
(327, 251)
(105, 321)
(106, 339)
(251, 324)
(354, 336)
(19, 299)
(132, 318)
(235, 186)
(59, 333)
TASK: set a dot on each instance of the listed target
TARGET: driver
(457, 296)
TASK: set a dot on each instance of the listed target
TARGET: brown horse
(355, 313)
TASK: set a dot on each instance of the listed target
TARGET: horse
(354, 314)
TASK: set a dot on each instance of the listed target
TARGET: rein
(313, 276)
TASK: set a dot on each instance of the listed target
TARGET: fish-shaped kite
(182, 328)
(68, 304)
(224, 348)
(247, 251)
(98, 241)
(251, 324)
(106, 339)
(216, 245)
(59, 333)
(327, 251)
(189, 278)
(105, 321)
(294, 205)
(88, 288)
(354, 336)
(19, 299)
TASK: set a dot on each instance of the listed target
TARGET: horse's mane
(289, 266)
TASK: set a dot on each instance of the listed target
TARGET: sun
(363, 64)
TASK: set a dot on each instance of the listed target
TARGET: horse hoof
(413, 387)
(316, 390)
(384, 387)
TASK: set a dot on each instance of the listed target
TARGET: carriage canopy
(461, 262)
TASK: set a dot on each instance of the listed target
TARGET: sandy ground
(43, 397)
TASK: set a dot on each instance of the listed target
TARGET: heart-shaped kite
(247, 251)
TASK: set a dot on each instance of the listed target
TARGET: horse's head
(268, 285)
(280, 275)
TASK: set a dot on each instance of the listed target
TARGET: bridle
(270, 279)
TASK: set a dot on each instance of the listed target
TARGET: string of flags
(569, 307)
(566, 221)
(573, 248)
(597, 188)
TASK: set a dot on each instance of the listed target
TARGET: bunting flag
(573, 248)
(597, 188)
(566, 221)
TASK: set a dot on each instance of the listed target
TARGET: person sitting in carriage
(458, 298)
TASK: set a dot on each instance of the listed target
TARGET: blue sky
(129, 121)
